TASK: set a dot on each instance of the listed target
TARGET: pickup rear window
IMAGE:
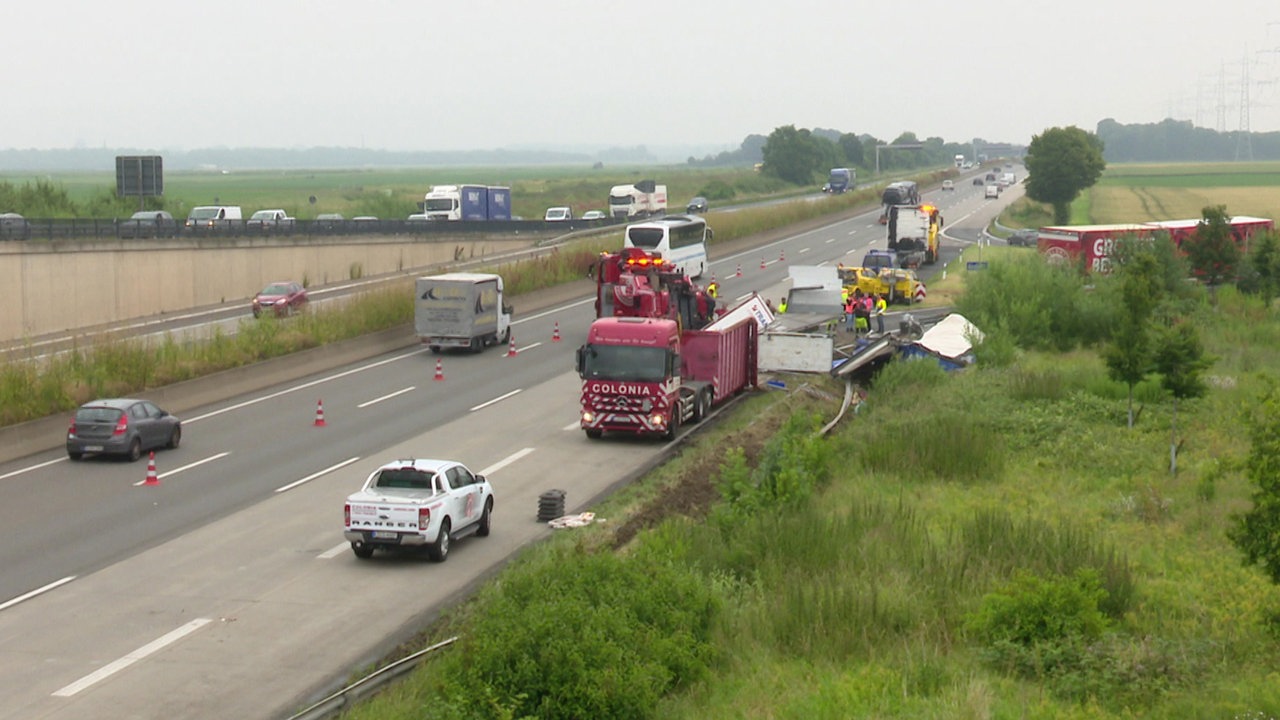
(404, 478)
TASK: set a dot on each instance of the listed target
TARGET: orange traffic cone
(319, 413)
(739, 273)
(511, 349)
(762, 266)
(555, 334)
(152, 479)
(439, 369)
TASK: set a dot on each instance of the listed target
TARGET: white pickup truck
(418, 503)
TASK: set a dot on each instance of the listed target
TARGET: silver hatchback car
(121, 426)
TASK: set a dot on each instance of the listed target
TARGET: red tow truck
(653, 359)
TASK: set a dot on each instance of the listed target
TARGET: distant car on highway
(948, 185)
(558, 214)
(697, 205)
(329, 222)
(14, 227)
(594, 215)
(148, 224)
(978, 181)
(992, 191)
(268, 221)
(282, 298)
(1025, 237)
(121, 426)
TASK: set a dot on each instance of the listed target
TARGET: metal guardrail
(48, 229)
(361, 688)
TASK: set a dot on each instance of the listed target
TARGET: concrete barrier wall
(57, 287)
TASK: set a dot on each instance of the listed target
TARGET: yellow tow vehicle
(898, 285)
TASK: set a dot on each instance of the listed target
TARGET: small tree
(1061, 163)
(1257, 532)
(1211, 249)
(1263, 263)
(1180, 360)
(1129, 354)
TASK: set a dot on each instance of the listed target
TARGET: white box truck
(461, 310)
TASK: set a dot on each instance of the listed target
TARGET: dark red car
(282, 298)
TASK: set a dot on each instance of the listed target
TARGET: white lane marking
(315, 475)
(112, 668)
(505, 461)
(577, 425)
(528, 347)
(377, 400)
(498, 399)
(188, 466)
(804, 250)
(37, 466)
(333, 552)
(38, 591)
(553, 311)
(824, 262)
(870, 226)
(833, 240)
(303, 386)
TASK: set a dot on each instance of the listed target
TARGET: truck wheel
(362, 551)
(435, 349)
(594, 434)
(439, 550)
(506, 336)
(673, 427)
(700, 406)
(485, 518)
(476, 345)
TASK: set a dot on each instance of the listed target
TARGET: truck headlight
(658, 420)
(588, 416)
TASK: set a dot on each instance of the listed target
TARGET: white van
(992, 191)
(214, 218)
(558, 214)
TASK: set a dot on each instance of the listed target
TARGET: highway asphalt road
(228, 591)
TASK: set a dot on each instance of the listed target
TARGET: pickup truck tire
(362, 551)
(485, 519)
(439, 550)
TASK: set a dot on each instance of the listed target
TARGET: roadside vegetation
(1017, 551)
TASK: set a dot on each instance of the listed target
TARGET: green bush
(1032, 609)
(793, 464)
(586, 635)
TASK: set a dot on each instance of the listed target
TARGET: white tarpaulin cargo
(949, 340)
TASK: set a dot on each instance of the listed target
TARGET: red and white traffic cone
(152, 478)
(439, 369)
(782, 256)
(555, 334)
(319, 413)
(762, 265)
(511, 349)
(739, 273)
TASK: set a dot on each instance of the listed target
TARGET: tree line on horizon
(1181, 141)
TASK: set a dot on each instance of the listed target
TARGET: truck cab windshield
(609, 362)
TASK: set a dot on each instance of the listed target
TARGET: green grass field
(1170, 191)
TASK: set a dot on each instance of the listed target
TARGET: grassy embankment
(114, 367)
(1015, 551)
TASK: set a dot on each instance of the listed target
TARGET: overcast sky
(486, 74)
